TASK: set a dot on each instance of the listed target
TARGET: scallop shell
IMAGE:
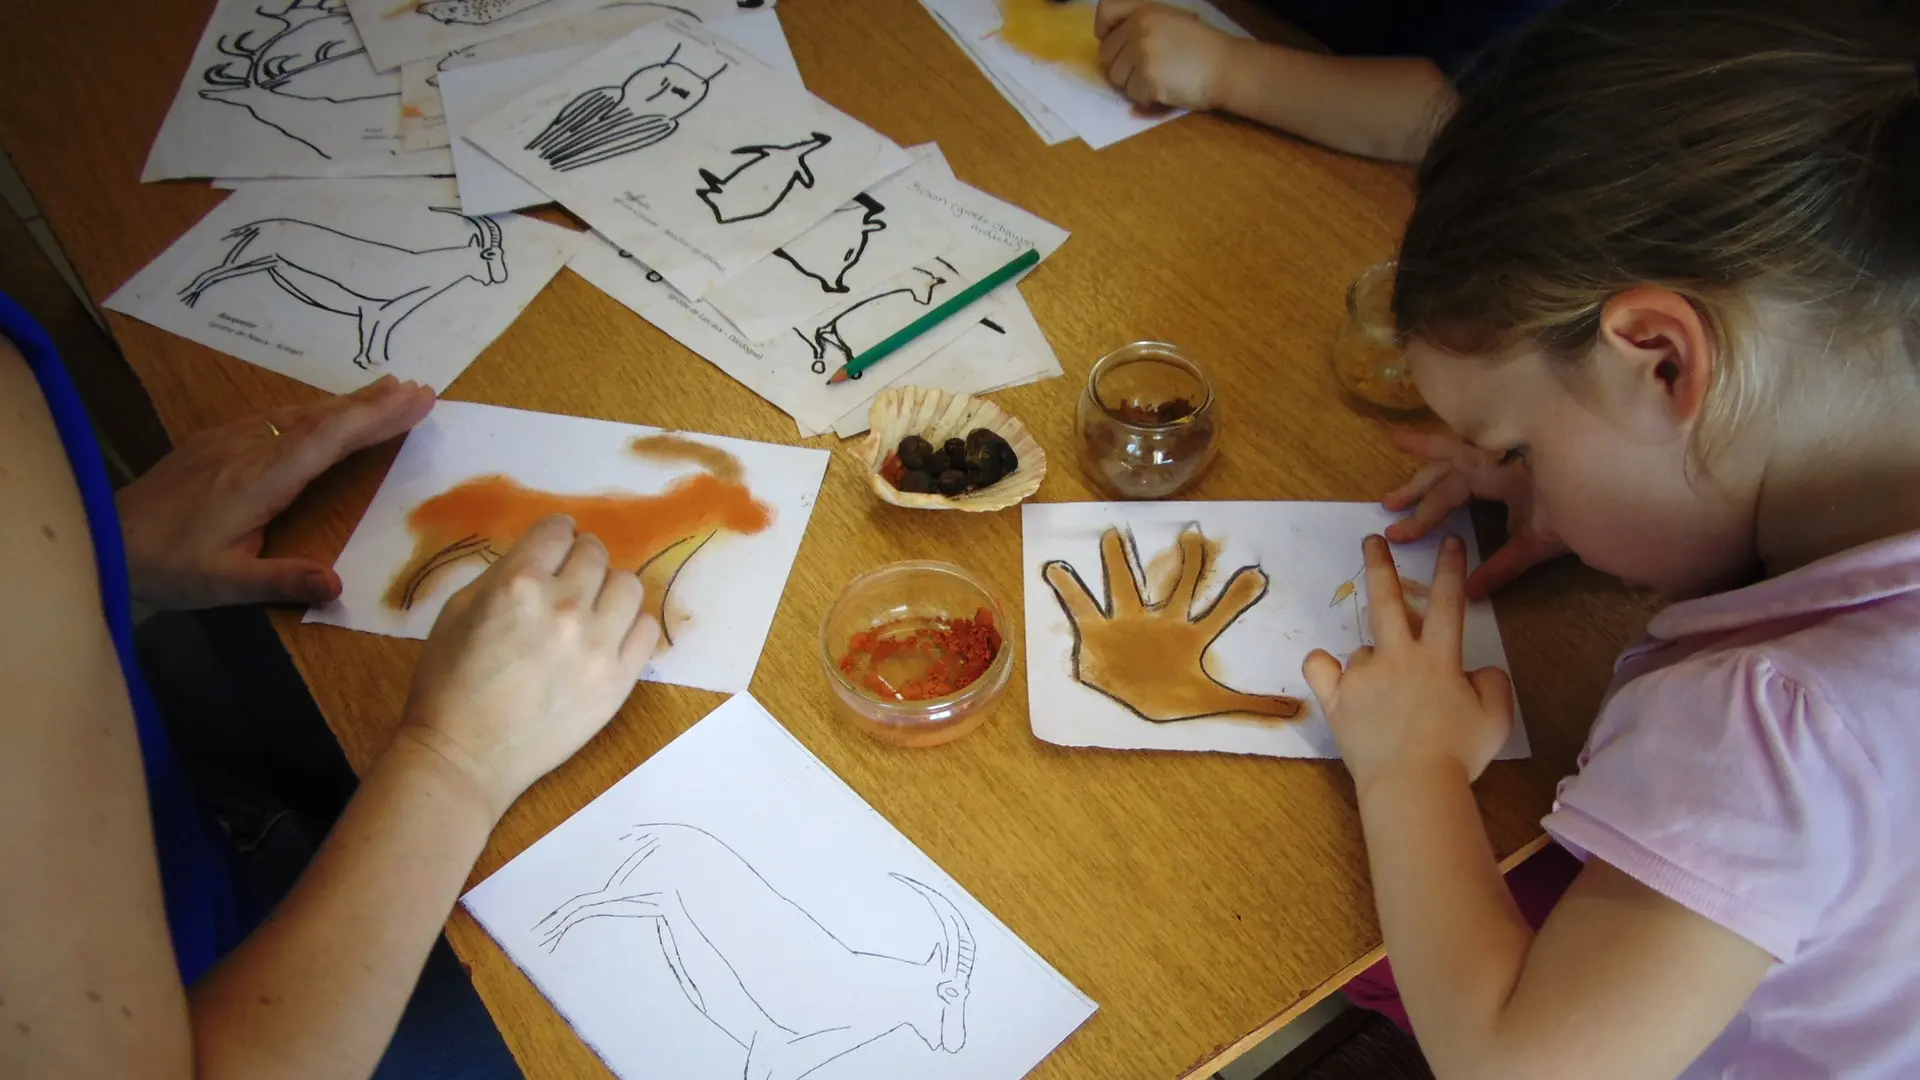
(938, 415)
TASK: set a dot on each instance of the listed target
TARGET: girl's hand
(1456, 473)
(1161, 55)
(525, 664)
(1405, 703)
(195, 522)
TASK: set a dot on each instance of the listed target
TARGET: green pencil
(1021, 262)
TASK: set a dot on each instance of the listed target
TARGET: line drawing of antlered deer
(377, 284)
(762, 969)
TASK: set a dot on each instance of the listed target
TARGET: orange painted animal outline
(658, 571)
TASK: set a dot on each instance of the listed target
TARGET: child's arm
(1621, 982)
(1380, 107)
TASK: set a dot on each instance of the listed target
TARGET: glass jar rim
(1137, 352)
(988, 680)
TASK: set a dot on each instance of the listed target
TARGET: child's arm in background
(1379, 107)
(1620, 982)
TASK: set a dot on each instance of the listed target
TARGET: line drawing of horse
(607, 121)
(852, 330)
(757, 186)
(311, 80)
(762, 969)
(378, 284)
(825, 253)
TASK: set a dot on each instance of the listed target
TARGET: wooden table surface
(1201, 899)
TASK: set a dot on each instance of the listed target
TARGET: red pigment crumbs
(891, 470)
(913, 660)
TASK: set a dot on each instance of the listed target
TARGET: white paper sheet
(881, 234)
(1098, 112)
(1052, 130)
(1309, 554)
(1004, 349)
(397, 31)
(684, 149)
(469, 92)
(423, 113)
(791, 370)
(715, 582)
(283, 88)
(337, 282)
(731, 908)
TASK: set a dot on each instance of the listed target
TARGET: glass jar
(1147, 426)
(900, 598)
(1367, 357)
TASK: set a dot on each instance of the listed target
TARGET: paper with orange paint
(1049, 50)
(1252, 635)
(711, 524)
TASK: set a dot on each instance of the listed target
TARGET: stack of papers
(1060, 89)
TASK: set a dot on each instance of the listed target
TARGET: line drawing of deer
(853, 329)
(762, 969)
(376, 283)
(311, 80)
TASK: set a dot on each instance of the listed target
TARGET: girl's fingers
(1323, 673)
(1447, 600)
(1433, 446)
(1435, 506)
(1423, 481)
(543, 547)
(1515, 557)
(1386, 608)
(1495, 691)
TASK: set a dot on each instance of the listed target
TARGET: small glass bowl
(906, 591)
(1368, 359)
(1131, 451)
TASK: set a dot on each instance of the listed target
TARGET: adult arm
(523, 666)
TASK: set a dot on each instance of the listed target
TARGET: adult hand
(1456, 473)
(1162, 55)
(195, 522)
(528, 661)
(1405, 703)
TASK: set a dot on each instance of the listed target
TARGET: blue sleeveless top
(195, 872)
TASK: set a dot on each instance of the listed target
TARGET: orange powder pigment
(918, 659)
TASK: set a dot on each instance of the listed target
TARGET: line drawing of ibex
(762, 969)
(377, 284)
(310, 79)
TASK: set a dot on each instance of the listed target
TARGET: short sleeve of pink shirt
(1724, 785)
(1758, 762)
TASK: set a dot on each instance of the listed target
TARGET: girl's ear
(1654, 361)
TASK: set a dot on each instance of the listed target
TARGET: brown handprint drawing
(1151, 657)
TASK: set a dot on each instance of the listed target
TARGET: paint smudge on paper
(1054, 33)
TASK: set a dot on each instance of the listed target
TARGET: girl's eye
(1515, 456)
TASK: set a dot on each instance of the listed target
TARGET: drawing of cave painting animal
(765, 971)
(609, 121)
(827, 251)
(1151, 656)
(309, 78)
(467, 12)
(653, 535)
(757, 186)
(853, 330)
(377, 284)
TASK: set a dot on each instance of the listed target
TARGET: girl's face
(1614, 475)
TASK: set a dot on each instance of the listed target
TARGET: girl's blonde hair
(1725, 151)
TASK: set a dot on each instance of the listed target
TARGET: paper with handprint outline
(1305, 551)
(1151, 655)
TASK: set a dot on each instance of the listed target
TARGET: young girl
(1666, 264)
(1387, 87)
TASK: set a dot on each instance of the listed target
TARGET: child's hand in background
(1161, 55)
(1456, 473)
(1405, 704)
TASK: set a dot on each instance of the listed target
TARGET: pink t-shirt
(1758, 761)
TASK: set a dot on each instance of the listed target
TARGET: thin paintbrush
(1021, 263)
